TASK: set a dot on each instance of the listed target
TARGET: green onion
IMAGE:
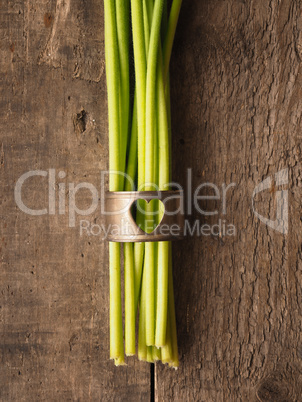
(140, 145)
(112, 63)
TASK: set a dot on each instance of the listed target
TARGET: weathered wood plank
(236, 78)
(54, 283)
(236, 119)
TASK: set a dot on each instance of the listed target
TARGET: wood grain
(236, 107)
(54, 297)
(236, 74)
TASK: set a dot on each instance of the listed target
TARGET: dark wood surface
(54, 283)
(236, 107)
(236, 110)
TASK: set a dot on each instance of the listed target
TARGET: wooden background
(237, 104)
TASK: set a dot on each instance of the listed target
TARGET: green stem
(151, 92)
(116, 325)
(131, 171)
(149, 160)
(173, 19)
(122, 15)
(167, 350)
(162, 294)
(168, 102)
(163, 129)
(150, 354)
(112, 74)
(132, 153)
(139, 249)
(120, 361)
(140, 75)
(140, 64)
(129, 301)
(163, 247)
(122, 18)
(172, 316)
(156, 353)
(146, 26)
(150, 296)
(142, 347)
(130, 295)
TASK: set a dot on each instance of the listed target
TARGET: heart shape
(150, 213)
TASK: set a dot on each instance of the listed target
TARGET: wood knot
(275, 388)
(80, 122)
(48, 20)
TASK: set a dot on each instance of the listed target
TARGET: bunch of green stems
(139, 145)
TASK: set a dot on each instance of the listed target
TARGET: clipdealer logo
(62, 196)
(206, 200)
